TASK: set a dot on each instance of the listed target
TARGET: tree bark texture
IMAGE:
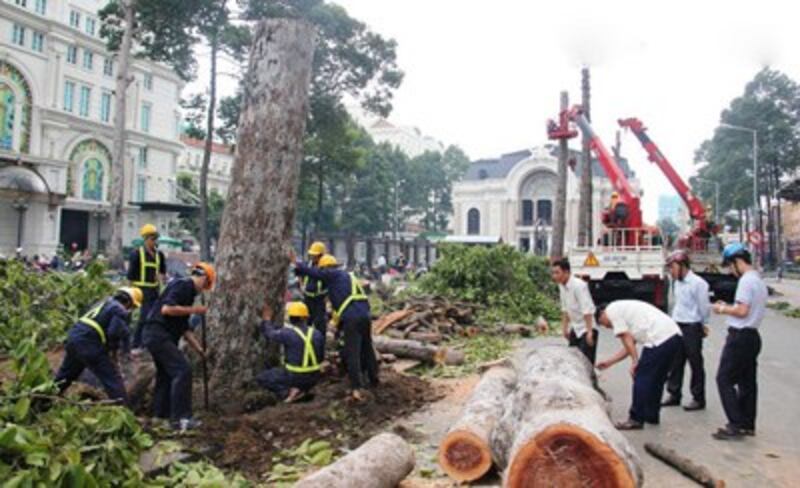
(556, 429)
(381, 462)
(465, 452)
(205, 241)
(404, 348)
(259, 213)
(116, 194)
(560, 214)
(585, 214)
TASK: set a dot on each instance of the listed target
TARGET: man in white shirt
(736, 375)
(636, 322)
(691, 311)
(577, 309)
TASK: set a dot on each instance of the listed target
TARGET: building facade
(512, 198)
(57, 84)
(219, 169)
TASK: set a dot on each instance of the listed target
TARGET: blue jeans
(279, 381)
(91, 355)
(648, 381)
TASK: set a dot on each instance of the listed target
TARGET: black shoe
(629, 424)
(750, 432)
(671, 402)
(728, 433)
(695, 405)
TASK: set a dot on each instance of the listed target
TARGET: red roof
(216, 147)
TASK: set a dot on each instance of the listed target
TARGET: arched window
(527, 212)
(93, 176)
(473, 222)
(15, 109)
(7, 111)
(544, 211)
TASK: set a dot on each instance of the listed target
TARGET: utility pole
(585, 213)
(560, 217)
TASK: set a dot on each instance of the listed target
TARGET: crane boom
(697, 210)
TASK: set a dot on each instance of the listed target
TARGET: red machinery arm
(696, 209)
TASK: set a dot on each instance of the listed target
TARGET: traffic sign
(755, 238)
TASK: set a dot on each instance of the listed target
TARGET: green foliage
(482, 348)
(45, 304)
(289, 465)
(786, 309)
(201, 475)
(216, 207)
(513, 286)
(49, 441)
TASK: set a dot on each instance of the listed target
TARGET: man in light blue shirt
(691, 312)
(736, 376)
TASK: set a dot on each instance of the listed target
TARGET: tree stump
(259, 213)
(381, 462)
(465, 453)
(556, 429)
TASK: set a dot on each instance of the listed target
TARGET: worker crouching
(102, 329)
(303, 347)
(165, 326)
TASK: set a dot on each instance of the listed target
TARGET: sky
(486, 75)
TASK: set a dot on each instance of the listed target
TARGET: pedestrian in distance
(738, 365)
(636, 322)
(691, 312)
(577, 310)
(147, 271)
(303, 347)
(93, 338)
(165, 326)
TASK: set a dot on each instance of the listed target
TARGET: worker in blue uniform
(314, 291)
(102, 329)
(147, 270)
(302, 348)
(165, 326)
(352, 316)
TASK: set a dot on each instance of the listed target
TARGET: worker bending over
(691, 312)
(738, 364)
(147, 270)
(635, 322)
(102, 329)
(577, 310)
(165, 326)
(351, 312)
(314, 291)
(303, 351)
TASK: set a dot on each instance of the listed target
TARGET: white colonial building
(219, 170)
(57, 85)
(408, 139)
(512, 198)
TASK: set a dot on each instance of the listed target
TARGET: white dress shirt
(647, 324)
(691, 303)
(576, 302)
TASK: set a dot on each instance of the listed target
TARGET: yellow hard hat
(614, 195)
(327, 261)
(297, 310)
(207, 270)
(317, 248)
(148, 230)
(135, 295)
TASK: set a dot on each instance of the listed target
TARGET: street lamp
(757, 206)
(21, 206)
(99, 214)
(716, 196)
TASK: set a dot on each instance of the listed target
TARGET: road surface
(772, 458)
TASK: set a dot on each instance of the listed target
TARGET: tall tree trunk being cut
(556, 429)
(465, 452)
(381, 462)
(585, 213)
(259, 213)
(205, 240)
(116, 194)
(560, 217)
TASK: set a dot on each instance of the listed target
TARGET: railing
(618, 240)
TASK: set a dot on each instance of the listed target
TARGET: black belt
(686, 324)
(748, 330)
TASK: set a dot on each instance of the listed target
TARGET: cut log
(516, 329)
(465, 452)
(404, 348)
(389, 320)
(697, 473)
(429, 337)
(381, 462)
(556, 429)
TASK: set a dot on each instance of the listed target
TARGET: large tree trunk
(465, 452)
(560, 216)
(556, 429)
(116, 194)
(381, 462)
(585, 214)
(259, 213)
(408, 349)
(205, 240)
